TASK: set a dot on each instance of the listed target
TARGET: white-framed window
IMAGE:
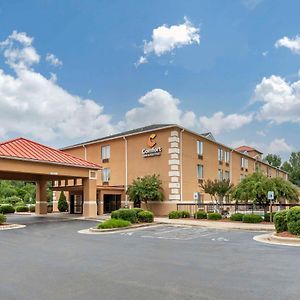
(220, 154)
(105, 152)
(227, 175)
(244, 162)
(105, 174)
(220, 174)
(227, 157)
(200, 171)
(199, 147)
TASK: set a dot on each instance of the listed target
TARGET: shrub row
(200, 214)
(246, 218)
(288, 220)
(2, 219)
(179, 214)
(133, 215)
(6, 209)
(22, 208)
(113, 223)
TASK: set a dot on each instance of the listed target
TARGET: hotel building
(182, 158)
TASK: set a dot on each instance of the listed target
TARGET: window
(227, 157)
(227, 175)
(105, 153)
(199, 148)
(220, 154)
(200, 171)
(220, 174)
(106, 174)
(269, 171)
(244, 162)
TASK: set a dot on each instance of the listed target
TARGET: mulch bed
(3, 225)
(287, 234)
(223, 220)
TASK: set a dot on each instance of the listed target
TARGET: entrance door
(111, 202)
(76, 204)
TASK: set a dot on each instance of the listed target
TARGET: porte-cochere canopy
(26, 160)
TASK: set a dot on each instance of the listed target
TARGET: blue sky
(212, 79)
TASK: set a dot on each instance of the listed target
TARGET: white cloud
(165, 39)
(31, 104)
(142, 60)
(280, 146)
(265, 53)
(281, 100)
(53, 77)
(218, 122)
(158, 106)
(251, 4)
(53, 60)
(291, 43)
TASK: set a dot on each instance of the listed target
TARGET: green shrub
(175, 214)
(214, 216)
(32, 208)
(137, 209)
(185, 214)
(200, 214)
(6, 209)
(127, 215)
(267, 217)
(237, 217)
(13, 200)
(293, 214)
(114, 214)
(22, 208)
(62, 203)
(280, 221)
(294, 227)
(252, 218)
(2, 219)
(113, 223)
(145, 216)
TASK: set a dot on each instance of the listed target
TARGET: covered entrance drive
(22, 159)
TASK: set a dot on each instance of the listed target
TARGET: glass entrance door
(78, 203)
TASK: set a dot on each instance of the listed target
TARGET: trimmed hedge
(2, 219)
(125, 214)
(252, 218)
(22, 208)
(214, 216)
(185, 214)
(137, 209)
(293, 214)
(113, 223)
(6, 209)
(145, 216)
(294, 227)
(200, 214)
(280, 221)
(32, 208)
(179, 214)
(237, 217)
(267, 217)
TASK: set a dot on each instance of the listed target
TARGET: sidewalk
(216, 224)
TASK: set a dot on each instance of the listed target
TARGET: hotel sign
(152, 150)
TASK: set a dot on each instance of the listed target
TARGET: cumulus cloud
(142, 60)
(291, 43)
(53, 60)
(158, 106)
(280, 146)
(281, 100)
(219, 122)
(32, 104)
(165, 39)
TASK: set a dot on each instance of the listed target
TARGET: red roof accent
(246, 148)
(24, 149)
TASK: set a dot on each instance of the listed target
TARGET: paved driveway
(50, 260)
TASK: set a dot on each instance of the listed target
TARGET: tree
(223, 187)
(62, 202)
(254, 188)
(144, 189)
(292, 167)
(273, 160)
(209, 187)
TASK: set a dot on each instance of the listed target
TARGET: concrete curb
(271, 238)
(12, 226)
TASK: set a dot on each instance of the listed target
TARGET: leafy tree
(62, 202)
(209, 187)
(274, 160)
(223, 187)
(144, 189)
(254, 188)
(293, 168)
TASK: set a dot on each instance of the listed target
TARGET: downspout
(231, 165)
(181, 147)
(126, 171)
(85, 152)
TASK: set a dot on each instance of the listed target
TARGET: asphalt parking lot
(49, 259)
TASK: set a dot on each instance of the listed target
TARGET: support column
(89, 198)
(41, 197)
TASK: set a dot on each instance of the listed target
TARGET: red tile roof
(246, 148)
(25, 149)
